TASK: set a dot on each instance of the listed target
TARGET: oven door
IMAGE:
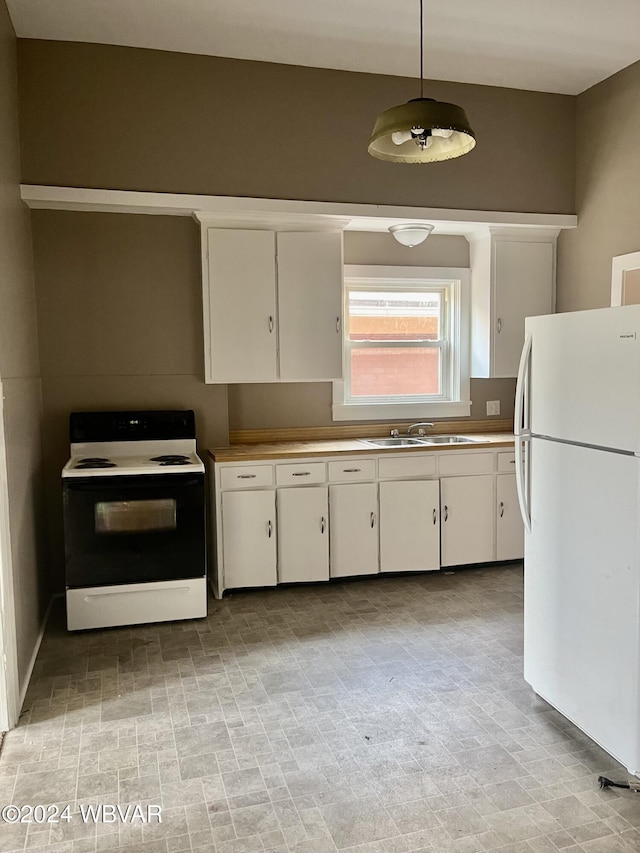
(133, 529)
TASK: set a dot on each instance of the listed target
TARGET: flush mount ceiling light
(422, 130)
(411, 234)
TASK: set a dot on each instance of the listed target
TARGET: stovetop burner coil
(171, 459)
(97, 462)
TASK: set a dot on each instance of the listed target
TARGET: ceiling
(562, 46)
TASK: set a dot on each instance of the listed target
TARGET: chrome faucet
(419, 427)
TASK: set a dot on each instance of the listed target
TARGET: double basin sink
(410, 441)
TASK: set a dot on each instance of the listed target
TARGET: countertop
(338, 447)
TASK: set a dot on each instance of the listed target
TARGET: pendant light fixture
(422, 130)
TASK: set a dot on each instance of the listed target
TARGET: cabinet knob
(501, 509)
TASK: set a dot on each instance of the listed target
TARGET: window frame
(454, 401)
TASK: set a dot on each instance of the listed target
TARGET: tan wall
(125, 118)
(607, 191)
(19, 370)
(120, 314)
(120, 320)
(119, 301)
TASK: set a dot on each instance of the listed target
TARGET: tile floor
(385, 715)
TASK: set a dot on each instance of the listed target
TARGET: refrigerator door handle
(522, 459)
(521, 414)
(521, 428)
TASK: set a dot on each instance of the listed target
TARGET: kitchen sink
(450, 439)
(396, 441)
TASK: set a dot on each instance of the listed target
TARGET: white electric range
(134, 519)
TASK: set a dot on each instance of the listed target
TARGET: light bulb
(401, 136)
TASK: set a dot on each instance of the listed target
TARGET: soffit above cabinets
(283, 214)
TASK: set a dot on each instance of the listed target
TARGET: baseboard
(25, 686)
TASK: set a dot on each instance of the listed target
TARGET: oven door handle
(137, 481)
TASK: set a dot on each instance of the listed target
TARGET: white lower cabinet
(467, 519)
(249, 538)
(353, 508)
(303, 534)
(320, 518)
(509, 527)
(409, 526)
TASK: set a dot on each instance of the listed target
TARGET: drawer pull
(269, 529)
(512, 462)
(435, 516)
(338, 325)
(446, 512)
(352, 470)
(270, 325)
(373, 519)
(501, 509)
(247, 476)
(301, 473)
(322, 525)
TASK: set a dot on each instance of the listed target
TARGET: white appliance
(577, 425)
(134, 519)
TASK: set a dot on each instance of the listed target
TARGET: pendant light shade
(422, 130)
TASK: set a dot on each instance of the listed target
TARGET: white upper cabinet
(310, 305)
(512, 277)
(240, 306)
(272, 305)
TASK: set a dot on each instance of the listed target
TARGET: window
(406, 344)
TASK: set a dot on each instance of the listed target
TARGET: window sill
(400, 411)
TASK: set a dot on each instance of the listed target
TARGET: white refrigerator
(577, 425)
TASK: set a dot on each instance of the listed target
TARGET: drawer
(352, 469)
(507, 462)
(246, 476)
(407, 466)
(300, 474)
(454, 462)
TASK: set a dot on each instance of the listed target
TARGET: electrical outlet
(493, 407)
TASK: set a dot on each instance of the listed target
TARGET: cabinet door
(303, 534)
(467, 519)
(240, 306)
(249, 538)
(409, 526)
(353, 508)
(509, 526)
(310, 305)
(523, 281)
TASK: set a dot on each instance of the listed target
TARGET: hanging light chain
(421, 51)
